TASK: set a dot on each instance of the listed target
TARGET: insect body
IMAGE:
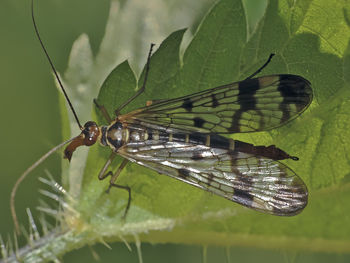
(181, 138)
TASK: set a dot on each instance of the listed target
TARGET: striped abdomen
(116, 136)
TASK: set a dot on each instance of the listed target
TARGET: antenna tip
(294, 158)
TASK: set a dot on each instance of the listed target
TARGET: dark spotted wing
(253, 181)
(251, 105)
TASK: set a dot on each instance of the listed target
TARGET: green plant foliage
(309, 38)
(308, 41)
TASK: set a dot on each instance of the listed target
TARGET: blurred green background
(31, 122)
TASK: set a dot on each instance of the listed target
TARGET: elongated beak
(88, 136)
(78, 141)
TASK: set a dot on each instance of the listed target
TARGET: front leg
(102, 175)
(103, 111)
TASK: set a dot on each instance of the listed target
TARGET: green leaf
(311, 39)
(218, 54)
(213, 56)
(221, 53)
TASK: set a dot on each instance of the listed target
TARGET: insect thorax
(115, 135)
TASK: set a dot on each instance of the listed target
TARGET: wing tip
(289, 198)
(297, 87)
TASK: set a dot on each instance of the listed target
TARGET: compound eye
(90, 124)
(91, 133)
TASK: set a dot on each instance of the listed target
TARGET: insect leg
(127, 188)
(142, 89)
(116, 174)
(103, 111)
(102, 175)
(262, 67)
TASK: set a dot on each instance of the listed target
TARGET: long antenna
(24, 175)
(54, 69)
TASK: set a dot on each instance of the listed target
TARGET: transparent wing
(255, 182)
(251, 105)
